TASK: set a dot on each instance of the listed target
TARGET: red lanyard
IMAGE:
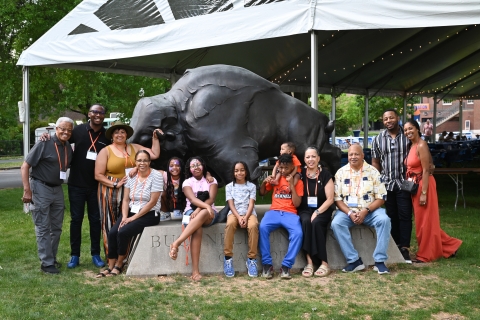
(316, 184)
(143, 187)
(351, 181)
(59, 160)
(126, 155)
(93, 142)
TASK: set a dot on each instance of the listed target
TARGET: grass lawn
(446, 289)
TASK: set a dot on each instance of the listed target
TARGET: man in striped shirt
(389, 150)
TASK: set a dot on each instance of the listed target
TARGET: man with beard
(389, 150)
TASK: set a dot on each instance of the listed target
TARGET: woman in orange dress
(433, 242)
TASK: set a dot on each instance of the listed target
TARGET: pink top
(198, 185)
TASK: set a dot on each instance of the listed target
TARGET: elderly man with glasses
(49, 161)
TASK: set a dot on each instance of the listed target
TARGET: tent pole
(434, 133)
(404, 114)
(460, 117)
(26, 101)
(365, 122)
(314, 70)
(332, 117)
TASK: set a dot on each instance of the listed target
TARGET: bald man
(359, 193)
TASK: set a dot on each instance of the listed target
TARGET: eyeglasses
(142, 160)
(195, 166)
(64, 129)
(96, 112)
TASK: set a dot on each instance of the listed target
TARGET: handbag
(409, 186)
(202, 196)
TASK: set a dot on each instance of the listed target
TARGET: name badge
(127, 171)
(135, 208)
(312, 202)
(63, 175)
(352, 201)
(91, 155)
(186, 219)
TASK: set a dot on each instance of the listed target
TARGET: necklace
(312, 175)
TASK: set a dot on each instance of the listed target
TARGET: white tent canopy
(427, 47)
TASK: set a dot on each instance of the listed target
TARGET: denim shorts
(215, 219)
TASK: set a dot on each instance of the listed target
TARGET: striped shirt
(142, 190)
(392, 153)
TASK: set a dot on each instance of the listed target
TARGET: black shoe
(406, 255)
(354, 266)
(57, 264)
(50, 269)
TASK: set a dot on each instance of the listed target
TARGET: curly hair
(170, 190)
(247, 171)
(285, 158)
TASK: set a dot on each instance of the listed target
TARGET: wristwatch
(424, 192)
(316, 212)
(115, 184)
(368, 210)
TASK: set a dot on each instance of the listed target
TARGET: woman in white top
(198, 213)
(139, 206)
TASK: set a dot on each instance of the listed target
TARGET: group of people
(124, 195)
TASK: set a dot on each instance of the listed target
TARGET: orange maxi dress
(433, 242)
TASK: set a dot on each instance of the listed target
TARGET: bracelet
(350, 212)
(316, 212)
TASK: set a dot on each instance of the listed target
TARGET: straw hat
(119, 125)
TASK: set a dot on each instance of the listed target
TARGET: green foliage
(54, 91)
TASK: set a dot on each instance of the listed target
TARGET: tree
(54, 91)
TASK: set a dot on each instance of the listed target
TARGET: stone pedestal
(151, 254)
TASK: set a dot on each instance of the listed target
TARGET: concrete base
(151, 254)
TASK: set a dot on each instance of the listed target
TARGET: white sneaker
(165, 216)
(177, 215)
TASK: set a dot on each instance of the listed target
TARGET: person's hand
(314, 215)
(133, 172)
(45, 136)
(124, 222)
(121, 182)
(268, 179)
(155, 136)
(194, 213)
(360, 216)
(27, 196)
(423, 199)
(242, 221)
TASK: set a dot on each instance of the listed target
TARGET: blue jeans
(378, 219)
(272, 220)
(78, 197)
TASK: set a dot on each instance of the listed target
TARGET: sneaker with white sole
(252, 267)
(285, 273)
(267, 272)
(228, 267)
(381, 268)
(165, 216)
(406, 255)
(354, 266)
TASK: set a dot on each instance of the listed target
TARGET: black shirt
(82, 170)
(321, 182)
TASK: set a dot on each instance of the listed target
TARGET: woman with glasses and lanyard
(139, 207)
(112, 166)
(199, 212)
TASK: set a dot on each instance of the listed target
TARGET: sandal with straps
(103, 273)
(307, 271)
(322, 271)
(113, 274)
(173, 252)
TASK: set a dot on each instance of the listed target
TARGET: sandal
(307, 271)
(322, 271)
(103, 273)
(173, 252)
(196, 277)
(113, 274)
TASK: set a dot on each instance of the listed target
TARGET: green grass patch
(446, 289)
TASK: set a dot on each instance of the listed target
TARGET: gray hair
(64, 119)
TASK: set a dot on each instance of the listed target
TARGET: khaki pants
(252, 229)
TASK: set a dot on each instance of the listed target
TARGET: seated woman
(433, 242)
(315, 213)
(173, 199)
(139, 206)
(198, 213)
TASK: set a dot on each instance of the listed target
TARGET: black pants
(315, 234)
(118, 240)
(78, 197)
(399, 209)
